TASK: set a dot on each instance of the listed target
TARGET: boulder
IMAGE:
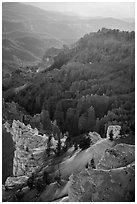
(97, 185)
(17, 182)
(119, 156)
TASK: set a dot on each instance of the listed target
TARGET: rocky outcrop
(29, 154)
(116, 185)
(94, 137)
(16, 182)
(29, 148)
(115, 130)
(107, 183)
(110, 179)
(118, 156)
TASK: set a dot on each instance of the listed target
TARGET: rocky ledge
(112, 180)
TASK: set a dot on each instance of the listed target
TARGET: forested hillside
(27, 31)
(104, 46)
(88, 87)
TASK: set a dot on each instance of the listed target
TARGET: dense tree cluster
(104, 46)
(88, 87)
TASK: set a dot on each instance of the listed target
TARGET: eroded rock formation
(115, 130)
(111, 179)
(29, 151)
(29, 148)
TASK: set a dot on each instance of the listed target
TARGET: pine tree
(91, 118)
(45, 120)
(59, 146)
(49, 145)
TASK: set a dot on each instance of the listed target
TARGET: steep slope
(13, 52)
(77, 82)
(28, 44)
(27, 50)
(93, 185)
(106, 45)
(112, 180)
(78, 164)
(10, 111)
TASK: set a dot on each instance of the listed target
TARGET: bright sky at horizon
(91, 9)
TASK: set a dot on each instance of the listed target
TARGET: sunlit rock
(118, 156)
(30, 147)
(113, 180)
(97, 185)
(12, 182)
(65, 199)
(115, 130)
(94, 137)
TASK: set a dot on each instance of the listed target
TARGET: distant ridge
(24, 24)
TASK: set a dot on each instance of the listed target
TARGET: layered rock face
(29, 148)
(113, 180)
